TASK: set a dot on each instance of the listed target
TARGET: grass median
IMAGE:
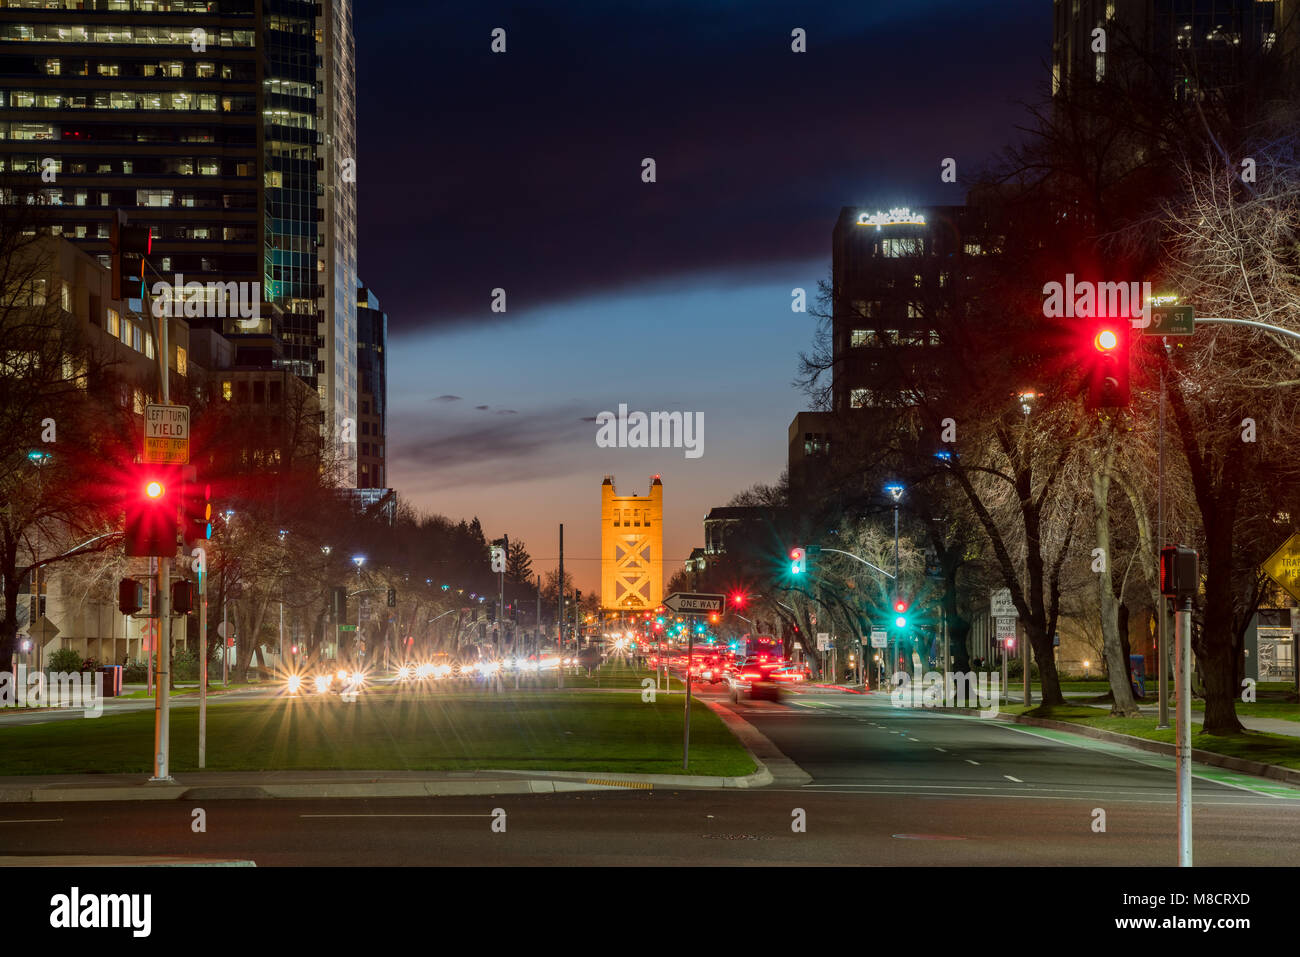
(534, 730)
(1251, 745)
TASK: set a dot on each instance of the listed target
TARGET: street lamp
(359, 560)
(895, 489)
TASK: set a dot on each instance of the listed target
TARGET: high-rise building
(1189, 45)
(631, 548)
(226, 127)
(372, 339)
(899, 275)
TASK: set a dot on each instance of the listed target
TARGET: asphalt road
(889, 787)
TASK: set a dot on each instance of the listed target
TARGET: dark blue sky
(523, 171)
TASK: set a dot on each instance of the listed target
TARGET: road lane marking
(394, 815)
(1148, 759)
(969, 761)
(1010, 778)
(34, 820)
(941, 749)
(917, 740)
(1091, 795)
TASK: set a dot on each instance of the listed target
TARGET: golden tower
(631, 548)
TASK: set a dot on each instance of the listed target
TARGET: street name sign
(167, 435)
(685, 603)
(1283, 566)
(1001, 605)
(1171, 321)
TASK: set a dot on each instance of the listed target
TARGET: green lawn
(614, 675)
(449, 731)
(1253, 745)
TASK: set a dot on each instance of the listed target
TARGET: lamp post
(358, 560)
(895, 490)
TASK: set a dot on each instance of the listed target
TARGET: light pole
(358, 560)
(39, 459)
(895, 490)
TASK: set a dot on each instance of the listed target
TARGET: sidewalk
(250, 785)
(1271, 725)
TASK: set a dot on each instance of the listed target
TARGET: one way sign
(687, 604)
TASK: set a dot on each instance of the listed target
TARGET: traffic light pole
(1183, 746)
(1162, 625)
(162, 703)
(203, 659)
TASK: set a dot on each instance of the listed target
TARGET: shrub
(65, 660)
(185, 665)
(136, 672)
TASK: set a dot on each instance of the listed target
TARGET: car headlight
(322, 683)
(403, 672)
(295, 682)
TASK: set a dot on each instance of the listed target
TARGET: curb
(773, 766)
(1256, 768)
(845, 688)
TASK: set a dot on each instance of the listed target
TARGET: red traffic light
(738, 599)
(900, 605)
(154, 489)
(1106, 340)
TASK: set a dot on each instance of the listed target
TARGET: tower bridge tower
(631, 548)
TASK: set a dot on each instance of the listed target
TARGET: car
(754, 679)
(792, 674)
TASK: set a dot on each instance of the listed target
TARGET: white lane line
(394, 815)
(918, 740)
(1163, 762)
(34, 820)
(941, 749)
(1010, 778)
(969, 761)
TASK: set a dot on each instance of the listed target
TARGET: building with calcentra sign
(631, 547)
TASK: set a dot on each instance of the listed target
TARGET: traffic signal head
(196, 512)
(900, 606)
(182, 597)
(129, 248)
(1108, 365)
(151, 514)
(798, 561)
(130, 596)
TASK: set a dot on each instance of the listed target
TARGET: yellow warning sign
(1283, 566)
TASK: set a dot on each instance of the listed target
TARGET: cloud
(446, 398)
(739, 185)
(506, 412)
(482, 408)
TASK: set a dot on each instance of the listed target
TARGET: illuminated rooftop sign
(898, 216)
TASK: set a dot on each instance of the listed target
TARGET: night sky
(523, 171)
